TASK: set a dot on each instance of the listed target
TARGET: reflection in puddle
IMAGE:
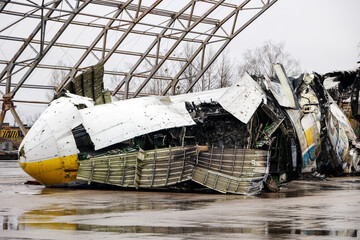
(9, 222)
(57, 210)
(270, 229)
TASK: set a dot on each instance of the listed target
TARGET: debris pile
(231, 140)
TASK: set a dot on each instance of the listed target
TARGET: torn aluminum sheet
(341, 135)
(282, 91)
(286, 86)
(276, 90)
(156, 113)
(239, 171)
(88, 84)
(353, 162)
(338, 139)
(343, 121)
(130, 118)
(142, 169)
(307, 143)
(308, 101)
(312, 135)
(243, 98)
(331, 83)
(199, 97)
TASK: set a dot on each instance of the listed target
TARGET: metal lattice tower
(140, 42)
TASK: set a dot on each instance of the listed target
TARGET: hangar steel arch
(139, 41)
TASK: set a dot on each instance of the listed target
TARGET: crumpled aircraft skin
(231, 140)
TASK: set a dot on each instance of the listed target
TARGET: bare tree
(218, 75)
(260, 61)
(56, 77)
(190, 72)
(156, 86)
(30, 120)
(209, 78)
(224, 71)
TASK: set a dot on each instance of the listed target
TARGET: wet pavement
(301, 210)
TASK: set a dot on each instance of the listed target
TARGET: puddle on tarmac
(269, 229)
(300, 209)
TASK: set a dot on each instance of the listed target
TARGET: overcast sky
(322, 34)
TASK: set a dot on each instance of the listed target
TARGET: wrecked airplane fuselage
(231, 140)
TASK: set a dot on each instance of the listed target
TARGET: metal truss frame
(196, 22)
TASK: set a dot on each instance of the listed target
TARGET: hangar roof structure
(139, 42)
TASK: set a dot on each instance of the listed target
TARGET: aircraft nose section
(48, 153)
(50, 171)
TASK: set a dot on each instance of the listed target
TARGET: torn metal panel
(89, 84)
(116, 122)
(353, 161)
(200, 97)
(227, 184)
(330, 83)
(243, 98)
(343, 121)
(216, 127)
(141, 169)
(276, 89)
(239, 171)
(308, 101)
(312, 135)
(338, 137)
(308, 153)
(286, 86)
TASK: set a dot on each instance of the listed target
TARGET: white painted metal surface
(51, 136)
(276, 90)
(116, 122)
(199, 97)
(287, 89)
(312, 137)
(308, 163)
(243, 98)
(108, 124)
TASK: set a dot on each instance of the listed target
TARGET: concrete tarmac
(301, 210)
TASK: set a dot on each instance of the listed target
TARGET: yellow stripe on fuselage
(53, 171)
